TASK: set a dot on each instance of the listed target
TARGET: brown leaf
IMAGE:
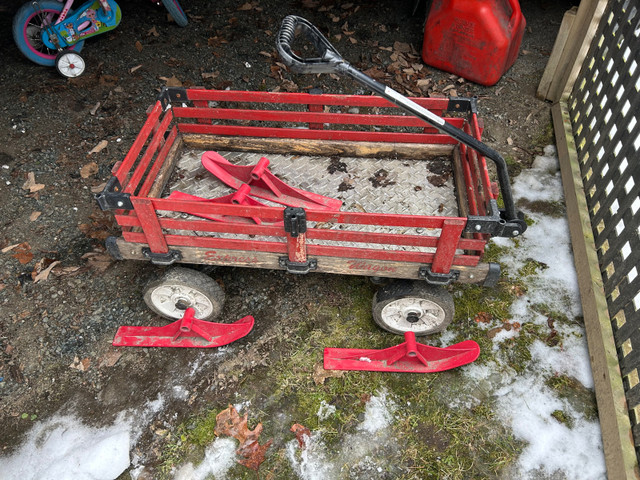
(230, 423)
(34, 216)
(301, 431)
(253, 454)
(494, 331)
(172, 82)
(138, 45)
(320, 374)
(23, 253)
(247, 6)
(82, 365)
(110, 358)
(483, 317)
(30, 184)
(98, 261)
(44, 273)
(9, 248)
(90, 168)
(153, 32)
(98, 148)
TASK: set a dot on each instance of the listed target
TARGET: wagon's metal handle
(330, 61)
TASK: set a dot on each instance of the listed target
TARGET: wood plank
(327, 148)
(619, 452)
(577, 46)
(551, 70)
(335, 265)
(167, 169)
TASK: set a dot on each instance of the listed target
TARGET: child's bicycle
(49, 32)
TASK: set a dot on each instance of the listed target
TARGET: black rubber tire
(433, 305)
(180, 288)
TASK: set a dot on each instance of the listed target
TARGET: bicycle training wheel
(28, 24)
(176, 12)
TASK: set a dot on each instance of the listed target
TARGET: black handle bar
(330, 61)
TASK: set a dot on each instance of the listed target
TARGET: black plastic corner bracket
(299, 268)
(112, 248)
(112, 197)
(433, 278)
(170, 95)
(495, 224)
(168, 258)
(295, 221)
(493, 275)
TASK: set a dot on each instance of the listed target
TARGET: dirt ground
(56, 332)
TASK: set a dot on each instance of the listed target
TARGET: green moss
(531, 267)
(562, 417)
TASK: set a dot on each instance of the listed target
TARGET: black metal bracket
(463, 104)
(112, 197)
(168, 258)
(299, 268)
(493, 275)
(495, 223)
(170, 95)
(295, 221)
(112, 248)
(433, 278)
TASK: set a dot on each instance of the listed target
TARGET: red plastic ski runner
(241, 197)
(186, 332)
(409, 356)
(265, 184)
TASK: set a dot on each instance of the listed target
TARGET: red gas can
(476, 39)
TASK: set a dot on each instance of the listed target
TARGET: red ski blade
(186, 332)
(265, 184)
(239, 198)
(409, 356)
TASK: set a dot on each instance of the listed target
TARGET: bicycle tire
(26, 28)
(176, 12)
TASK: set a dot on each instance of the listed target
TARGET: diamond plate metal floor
(363, 184)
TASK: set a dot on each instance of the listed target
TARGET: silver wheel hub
(172, 300)
(71, 65)
(413, 314)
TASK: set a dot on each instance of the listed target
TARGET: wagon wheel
(181, 288)
(412, 306)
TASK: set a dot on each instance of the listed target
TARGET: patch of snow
(378, 413)
(524, 402)
(62, 448)
(219, 458)
(552, 447)
(325, 411)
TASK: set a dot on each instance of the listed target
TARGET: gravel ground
(55, 333)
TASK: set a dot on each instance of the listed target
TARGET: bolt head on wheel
(70, 64)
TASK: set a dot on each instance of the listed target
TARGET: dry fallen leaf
(44, 274)
(9, 248)
(320, 374)
(34, 216)
(153, 32)
(23, 253)
(98, 148)
(210, 74)
(138, 45)
(172, 82)
(133, 69)
(110, 358)
(89, 169)
(98, 261)
(229, 422)
(301, 432)
(82, 365)
(30, 184)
